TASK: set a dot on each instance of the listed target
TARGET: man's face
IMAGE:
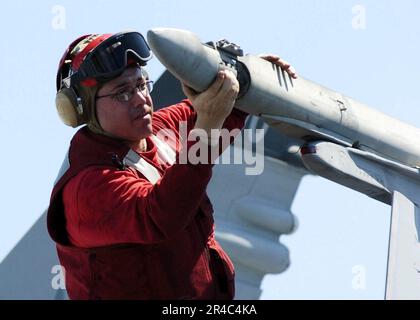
(131, 120)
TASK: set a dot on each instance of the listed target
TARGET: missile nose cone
(182, 53)
(168, 38)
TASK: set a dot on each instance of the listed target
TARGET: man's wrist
(208, 125)
(210, 137)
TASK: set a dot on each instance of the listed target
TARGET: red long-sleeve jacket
(120, 236)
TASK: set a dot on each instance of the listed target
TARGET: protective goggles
(109, 59)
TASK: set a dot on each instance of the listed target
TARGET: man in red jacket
(129, 219)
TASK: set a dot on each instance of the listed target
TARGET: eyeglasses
(125, 95)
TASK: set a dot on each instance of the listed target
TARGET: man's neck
(140, 146)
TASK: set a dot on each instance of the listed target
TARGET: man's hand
(284, 65)
(216, 103)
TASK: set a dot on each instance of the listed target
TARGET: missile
(299, 107)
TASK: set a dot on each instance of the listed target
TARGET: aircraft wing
(387, 181)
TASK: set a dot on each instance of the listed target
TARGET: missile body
(298, 107)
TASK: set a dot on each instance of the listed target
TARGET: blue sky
(340, 231)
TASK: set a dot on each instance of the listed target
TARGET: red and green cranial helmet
(90, 61)
(99, 58)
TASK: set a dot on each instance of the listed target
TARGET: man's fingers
(211, 91)
(275, 59)
(286, 66)
(229, 89)
(269, 57)
(283, 64)
(292, 73)
(217, 84)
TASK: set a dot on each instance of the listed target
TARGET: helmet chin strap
(94, 125)
(96, 128)
(91, 119)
